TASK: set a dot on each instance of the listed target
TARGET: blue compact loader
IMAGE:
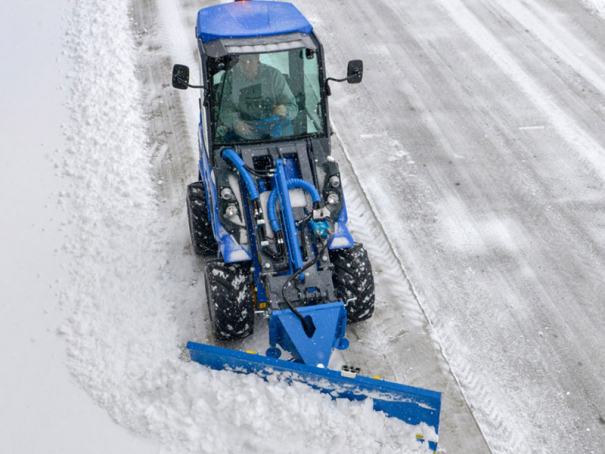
(268, 211)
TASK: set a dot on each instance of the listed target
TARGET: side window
(203, 133)
(218, 85)
(217, 81)
(312, 95)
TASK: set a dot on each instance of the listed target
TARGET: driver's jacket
(252, 100)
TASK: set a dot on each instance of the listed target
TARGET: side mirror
(180, 77)
(354, 75)
(355, 71)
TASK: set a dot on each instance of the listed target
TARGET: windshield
(266, 96)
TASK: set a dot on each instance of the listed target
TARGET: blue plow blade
(409, 404)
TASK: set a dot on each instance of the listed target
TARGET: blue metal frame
(230, 249)
(330, 323)
(341, 237)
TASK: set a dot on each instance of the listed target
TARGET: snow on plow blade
(409, 404)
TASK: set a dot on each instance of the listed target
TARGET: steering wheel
(274, 125)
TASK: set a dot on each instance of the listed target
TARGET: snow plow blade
(409, 404)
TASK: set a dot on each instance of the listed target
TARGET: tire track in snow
(173, 145)
(399, 339)
(579, 139)
(174, 154)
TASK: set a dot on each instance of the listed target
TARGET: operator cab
(264, 80)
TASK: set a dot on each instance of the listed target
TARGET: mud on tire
(202, 236)
(354, 282)
(230, 302)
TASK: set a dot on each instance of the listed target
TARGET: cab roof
(248, 19)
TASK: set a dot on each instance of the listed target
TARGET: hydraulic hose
(240, 165)
(271, 211)
(293, 183)
(298, 183)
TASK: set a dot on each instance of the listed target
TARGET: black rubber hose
(308, 327)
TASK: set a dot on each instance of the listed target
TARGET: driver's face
(248, 64)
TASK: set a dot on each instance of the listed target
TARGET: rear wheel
(202, 236)
(230, 302)
(354, 282)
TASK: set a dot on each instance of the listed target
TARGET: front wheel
(353, 281)
(230, 301)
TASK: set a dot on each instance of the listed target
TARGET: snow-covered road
(475, 143)
(490, 119)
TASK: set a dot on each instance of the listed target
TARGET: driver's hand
(280, 110)
(243, 129)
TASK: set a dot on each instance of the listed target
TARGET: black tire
(202, 236)
(230, 302)
(354, 282)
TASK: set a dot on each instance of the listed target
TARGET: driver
(255, 91)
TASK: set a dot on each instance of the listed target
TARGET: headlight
(334, 181)
(230, 211)
(333, 199)
(227, 194)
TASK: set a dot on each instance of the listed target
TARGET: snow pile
(130, 287)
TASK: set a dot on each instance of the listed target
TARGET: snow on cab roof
(247, 19)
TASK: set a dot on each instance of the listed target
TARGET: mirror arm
(189, 85)
(328, 90)
(336, 80)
